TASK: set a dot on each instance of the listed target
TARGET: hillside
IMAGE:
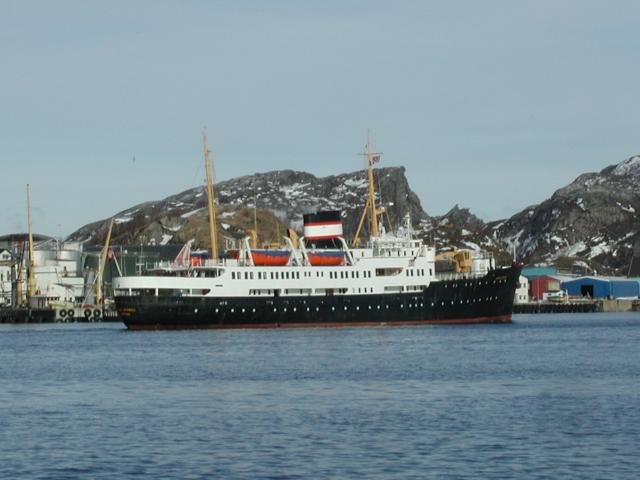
(591, 223)
(593, 220)
(282, 197)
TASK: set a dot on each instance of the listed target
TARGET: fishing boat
(389, 280)
(49, 282)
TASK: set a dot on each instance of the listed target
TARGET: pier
(598, 305)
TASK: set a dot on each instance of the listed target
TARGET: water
(550, 396)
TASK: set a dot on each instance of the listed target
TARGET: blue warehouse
(602, 287)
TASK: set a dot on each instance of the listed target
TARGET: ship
(46, 281)
(389, 280)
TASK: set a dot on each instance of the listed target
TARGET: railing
(459, 276)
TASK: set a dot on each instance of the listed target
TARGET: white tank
(74, 255)
(40, 257)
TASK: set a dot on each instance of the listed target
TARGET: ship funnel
(322, 225)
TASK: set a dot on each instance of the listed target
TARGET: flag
(111, 255)
(375, 158)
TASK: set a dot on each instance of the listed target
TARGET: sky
(490, 105)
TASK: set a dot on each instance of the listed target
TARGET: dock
(597, 305)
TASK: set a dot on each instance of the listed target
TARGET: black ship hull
(488, 299)
(27, 315)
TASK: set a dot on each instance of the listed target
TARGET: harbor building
(602, 287)
(522, 290)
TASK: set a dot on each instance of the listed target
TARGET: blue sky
(491, 105)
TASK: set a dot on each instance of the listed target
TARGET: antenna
(370, 209)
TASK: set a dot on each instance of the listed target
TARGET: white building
(5, 277)
(522, 292)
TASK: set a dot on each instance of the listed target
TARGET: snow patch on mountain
(628, 167)
(191, 213)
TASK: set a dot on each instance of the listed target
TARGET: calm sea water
(550, 396)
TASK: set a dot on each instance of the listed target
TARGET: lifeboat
(233, 254)
(270, 258)
(325, 259)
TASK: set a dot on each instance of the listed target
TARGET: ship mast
(210, 199)
(31, 281)
(101, 267)
(371, 212)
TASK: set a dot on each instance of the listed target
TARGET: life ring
(71, 313)
(62, 313)
(87, 313)
(96, 313)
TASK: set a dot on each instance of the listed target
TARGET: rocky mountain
(281, 197)
(592, 221)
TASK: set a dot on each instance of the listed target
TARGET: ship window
(251, 275)
(200, 291)
(171, 292)
(233, 275)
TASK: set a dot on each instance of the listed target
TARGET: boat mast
(101, 267)
(254, 232)
(210, 199)
(31, 281)
(370, 210)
